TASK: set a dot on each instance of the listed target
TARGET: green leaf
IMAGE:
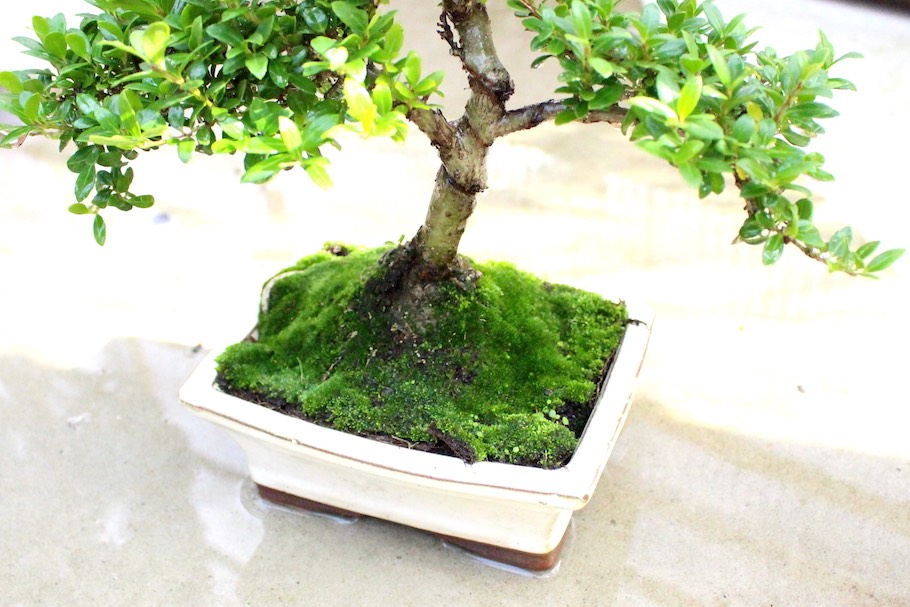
(154, 42)
(78, 209)
(720, 66)
(107, 119)
(85, 183)
(279, 74)
(124, 143)
(689, 97)
(667, 87)
(225, 33)
(601, 66)
(319, 175)
(690, 174)
(754, 169)
(55, 43)
(743, 128)
(805, 209)
(142, 202)
(354, 18)
(607, 97)
(715, 19)
(884, 261)
(693, 64)
(360, 105)
(290, 135)
(668, 7)
(412, 68)
(86, 104)
(79, 44)
(31, 107)
(11, 82)
(82, 158)
(315, 18)
(258, 65)
(233, 128)
(703, 127)
(752, 232)
(581, 19)
(654, 107)
(773, 250)
(99, 229)
(382, 97)
(263, 31)
(265, 169)
(196, 33)
(185, 149)
(122, 181)
(41, 26)
(565, 117)
(839, 245)
(867, 249)
(810, 236)
(316, 128)
(338, 57)
(128, 104)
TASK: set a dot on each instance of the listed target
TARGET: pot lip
(570, 486)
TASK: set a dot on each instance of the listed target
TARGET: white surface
(765, 460)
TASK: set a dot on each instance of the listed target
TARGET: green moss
(493, 377)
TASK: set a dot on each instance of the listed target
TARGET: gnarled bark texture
(414, 271)
(462, 144)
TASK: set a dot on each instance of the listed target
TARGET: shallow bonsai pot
(513, 514)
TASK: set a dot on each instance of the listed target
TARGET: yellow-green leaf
(360, 105)
(154, 42)
(11, 82)
(654, 107)
(689, 97)
(290, 135)
(319, 175)
(601, 66)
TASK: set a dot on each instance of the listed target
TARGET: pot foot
(286, 499)
(515, 558)
(529, 561)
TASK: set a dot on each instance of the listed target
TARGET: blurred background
(766, 458)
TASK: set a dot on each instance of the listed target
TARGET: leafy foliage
(275, 81)
(703, 99)
(272, 81)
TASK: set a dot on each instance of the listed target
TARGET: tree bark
(463, 144)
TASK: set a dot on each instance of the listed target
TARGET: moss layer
(506, 372)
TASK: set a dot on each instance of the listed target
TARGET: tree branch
(434, 125)
(532, 115)
(475, 46)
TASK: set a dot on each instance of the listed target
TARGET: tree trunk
(463, 144)
(436, 243)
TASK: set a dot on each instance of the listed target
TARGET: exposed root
(406, 294)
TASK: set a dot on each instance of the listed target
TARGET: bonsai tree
(277, 81)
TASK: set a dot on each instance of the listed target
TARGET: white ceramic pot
(510, 513)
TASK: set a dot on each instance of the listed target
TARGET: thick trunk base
(406, 291)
